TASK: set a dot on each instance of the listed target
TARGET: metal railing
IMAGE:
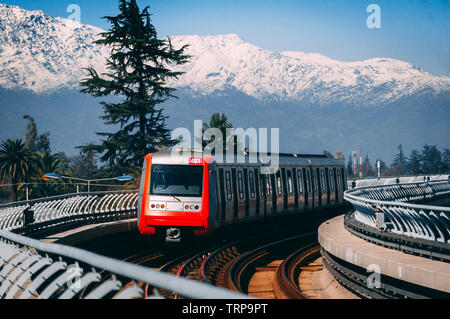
(36, 215)
(376, 181)
(33, 269)
(388, 208)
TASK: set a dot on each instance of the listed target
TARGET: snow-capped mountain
(43, 54)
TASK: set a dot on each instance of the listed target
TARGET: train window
(240, 185)
(278, 183)
(228, 185)
(339, 180)
(290, 182)
(331, 180)
(322, 176)
(176, 180)
(251, 178)
(300, 181)
(268, 185)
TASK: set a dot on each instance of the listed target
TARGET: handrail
(49, 213)
(394, 208)
(27, 271)
(375, 181)
(56, 197)
(16, 253)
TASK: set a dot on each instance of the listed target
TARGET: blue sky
(413, 31)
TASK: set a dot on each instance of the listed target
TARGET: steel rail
(242, 264)
(289, 269)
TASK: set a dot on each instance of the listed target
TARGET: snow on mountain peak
(43, 54)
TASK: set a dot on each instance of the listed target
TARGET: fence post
(28, 216)
(379, 218)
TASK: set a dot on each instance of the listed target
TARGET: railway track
(267, 271)
(264, 266)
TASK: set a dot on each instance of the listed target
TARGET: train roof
(284, 158)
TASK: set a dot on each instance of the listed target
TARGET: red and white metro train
(195, 195)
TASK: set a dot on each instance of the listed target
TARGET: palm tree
(16, 164)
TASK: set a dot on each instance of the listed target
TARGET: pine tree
(431, 160)
(220, 121)
(138, 71)
(399, 158)
(350, 166)
(30, 135)
(415, 163)
(367, 167)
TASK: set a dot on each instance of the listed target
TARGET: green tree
(48, 163)
(84, 165)
(415, 163)
(367, 167)
(219, 121)
(138, 71)
(17, 164)
(446, 159)
(350, 166)
(43, 143)
(431, 160)
(30, 135)
(399, 158)
(399, 164)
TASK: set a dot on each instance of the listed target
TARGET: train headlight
(156, 205)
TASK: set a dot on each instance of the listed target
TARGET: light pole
(120, 179)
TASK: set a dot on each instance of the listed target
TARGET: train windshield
(176, 180)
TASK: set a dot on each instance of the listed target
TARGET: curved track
(264, 264)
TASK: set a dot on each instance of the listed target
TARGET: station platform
(425, 272)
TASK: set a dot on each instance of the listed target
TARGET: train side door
(308, 189)
(252, 191)
(241, 202)
(229, 210)
(259, 199)
(268, 195)
(333, 186)
(315, 188)
(322, 187)
(301, 197)
(340, 191)
(278, 192)
(296, 192)
(327, 198)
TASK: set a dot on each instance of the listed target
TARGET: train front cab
(174, 197)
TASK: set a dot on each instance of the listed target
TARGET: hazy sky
(411, 30)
